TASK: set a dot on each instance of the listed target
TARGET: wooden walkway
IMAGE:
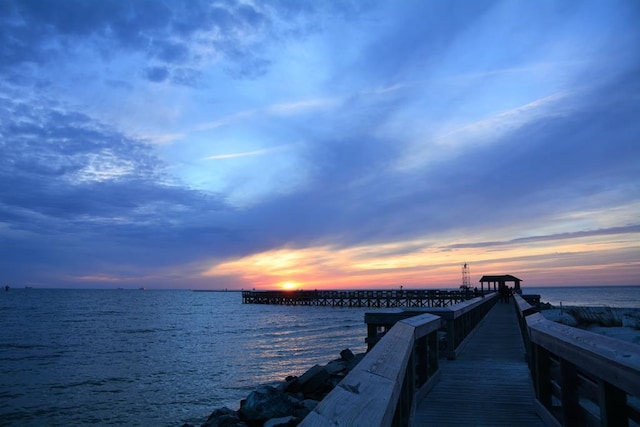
(488, 384)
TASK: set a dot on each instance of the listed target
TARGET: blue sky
(235, 144)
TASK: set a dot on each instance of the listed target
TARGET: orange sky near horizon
(592, 260)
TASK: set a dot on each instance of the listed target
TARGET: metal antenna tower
(466, 281)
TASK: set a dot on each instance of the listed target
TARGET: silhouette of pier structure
(373, 298)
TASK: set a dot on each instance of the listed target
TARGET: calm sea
(122, 357)
(612, 296)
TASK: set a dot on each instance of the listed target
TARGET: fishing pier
(490, 360)
(373, 299)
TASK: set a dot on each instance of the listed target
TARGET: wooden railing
(580, 378)
(459, 320)
(400, 369)
(382, 390)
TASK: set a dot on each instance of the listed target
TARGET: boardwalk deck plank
(488, 384)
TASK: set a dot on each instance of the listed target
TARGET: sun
(289, 286)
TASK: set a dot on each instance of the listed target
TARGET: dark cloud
(171, 52)
(157, 74)
(173, 34)
(63, 171)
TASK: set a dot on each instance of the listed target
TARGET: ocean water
(124, 357)
(590, 296)
(163, 358)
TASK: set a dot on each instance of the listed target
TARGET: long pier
(508, 366)
(373, 298)
(489, 380)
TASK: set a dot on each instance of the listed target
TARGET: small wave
(8, 346)
(10, 395)
(92, 383)
(114, 391)
(138, 331)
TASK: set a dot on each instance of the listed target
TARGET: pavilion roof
(500, 278)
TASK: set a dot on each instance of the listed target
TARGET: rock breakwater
(290, 401)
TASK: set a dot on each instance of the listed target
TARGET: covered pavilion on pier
(500, 282)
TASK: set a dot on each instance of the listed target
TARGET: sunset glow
(289, 286)
(545, 261)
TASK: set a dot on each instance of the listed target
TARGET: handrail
(524, 309)
(459, 319)
(382, 390)
(579, 377)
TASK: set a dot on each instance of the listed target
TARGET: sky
(318, 145)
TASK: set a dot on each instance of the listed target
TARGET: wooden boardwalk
(488, 384)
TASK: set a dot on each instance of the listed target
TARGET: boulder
(313, 379)
(289, 421)
(266, 403)
(346, 355)
(290, 384)
(224, 417)
(334, 367)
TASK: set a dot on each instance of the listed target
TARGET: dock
(488, 384)
(413, 298)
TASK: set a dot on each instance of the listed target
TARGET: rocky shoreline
(619, 323)
(290, 401)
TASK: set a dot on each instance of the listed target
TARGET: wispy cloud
(441, 141)
(630, 229)
(163, 139)
(260, 152)
(494, 128)
(280, 109)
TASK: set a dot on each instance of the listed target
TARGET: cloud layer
(232, 144)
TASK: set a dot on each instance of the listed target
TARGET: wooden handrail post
(542, 376)
(571, 412)
(421, 354)
(613, 405)
(451, 339)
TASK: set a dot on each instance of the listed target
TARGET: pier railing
(400, 367)
(459, 321)
(580, 378)
(363, 298)
(382, 390)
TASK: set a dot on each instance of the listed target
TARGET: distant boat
(142, 288)
(6, 288)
